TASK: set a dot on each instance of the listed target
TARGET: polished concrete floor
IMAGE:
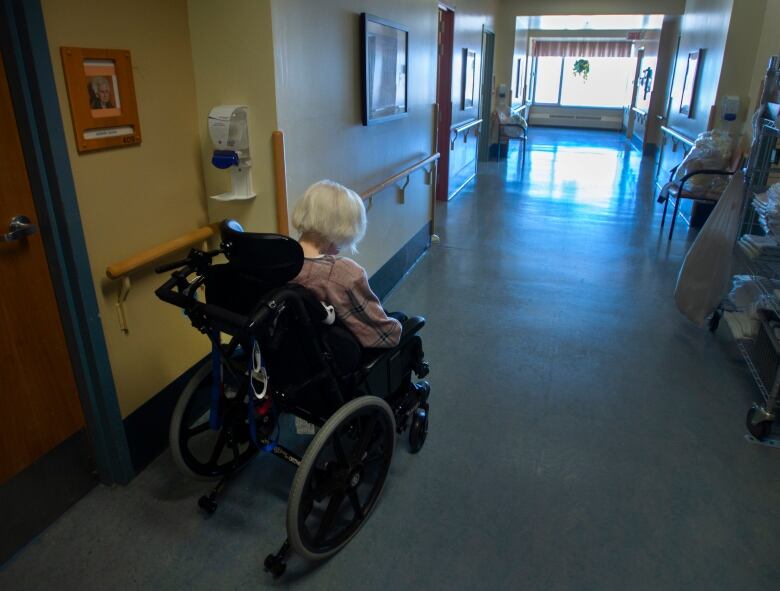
(583, 435)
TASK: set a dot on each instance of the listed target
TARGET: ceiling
(596, 22)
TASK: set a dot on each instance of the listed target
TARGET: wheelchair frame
(353, 444)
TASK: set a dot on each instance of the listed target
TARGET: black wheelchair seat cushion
(345, 348)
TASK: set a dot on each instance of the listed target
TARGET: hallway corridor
(583, 435)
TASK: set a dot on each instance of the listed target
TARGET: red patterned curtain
(544, 48)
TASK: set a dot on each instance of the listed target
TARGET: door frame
(640, 55)
(486, 92)
(25, 50)
(443, 121)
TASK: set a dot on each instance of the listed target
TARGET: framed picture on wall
(519, 78)
(689, 83)
(384, 50)
(102, 97)
(468, 78)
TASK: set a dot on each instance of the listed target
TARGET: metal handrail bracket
(427, 164)
(467, 127)
(122, 269)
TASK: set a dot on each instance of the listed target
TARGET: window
(605, 86)
(548, 79)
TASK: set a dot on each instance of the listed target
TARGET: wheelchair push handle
(171, 266)
(196, 258)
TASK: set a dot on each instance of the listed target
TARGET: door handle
(19, 227)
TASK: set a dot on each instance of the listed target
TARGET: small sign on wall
(102, 97)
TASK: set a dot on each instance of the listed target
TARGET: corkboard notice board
(102, 97)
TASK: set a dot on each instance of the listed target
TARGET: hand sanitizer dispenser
(730, 108)
(229, 132)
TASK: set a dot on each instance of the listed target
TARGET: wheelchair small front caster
(761, 430)
(275, 565)
(419, 429)
(208, 504)
(422, 369)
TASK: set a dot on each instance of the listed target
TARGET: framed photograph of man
(102, 97)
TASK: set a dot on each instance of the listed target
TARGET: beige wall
(738, 59)
(318, 108)
(768, 45)
(233, 63)
(704, 25)
(133, 198)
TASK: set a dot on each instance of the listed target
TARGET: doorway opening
(444, 99)
(486, 102)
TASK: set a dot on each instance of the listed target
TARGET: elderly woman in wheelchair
(296, 329)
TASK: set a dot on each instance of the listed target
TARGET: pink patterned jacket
(343, 284)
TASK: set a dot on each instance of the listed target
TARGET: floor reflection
(593, 168)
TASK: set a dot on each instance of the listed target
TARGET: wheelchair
(273, 352)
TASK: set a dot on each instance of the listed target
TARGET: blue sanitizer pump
(229, 132)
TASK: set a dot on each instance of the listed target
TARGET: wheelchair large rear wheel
(198, 450)
(340, 477)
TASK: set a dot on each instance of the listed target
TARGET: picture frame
(688, 97)
(384, 58)
(102, 98)
(468, 79)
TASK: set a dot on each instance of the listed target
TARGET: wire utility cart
(762, 354)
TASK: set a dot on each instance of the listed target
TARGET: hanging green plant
(582, 68)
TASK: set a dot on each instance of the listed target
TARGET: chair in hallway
(510, 130)
(676, 189)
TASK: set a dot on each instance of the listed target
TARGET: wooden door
(39, 403)
(444, 101)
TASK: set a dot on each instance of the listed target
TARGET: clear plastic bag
(706, 271)
(513, 124)
(711, 151)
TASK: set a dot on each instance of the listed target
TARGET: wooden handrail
(677, 135)
(280, 175)
(397, 177)
(155, 253)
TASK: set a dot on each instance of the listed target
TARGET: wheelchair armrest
(411, 326)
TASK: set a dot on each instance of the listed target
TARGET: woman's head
(101, 89)
(330, 214)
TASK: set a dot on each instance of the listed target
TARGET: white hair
(332, 212)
